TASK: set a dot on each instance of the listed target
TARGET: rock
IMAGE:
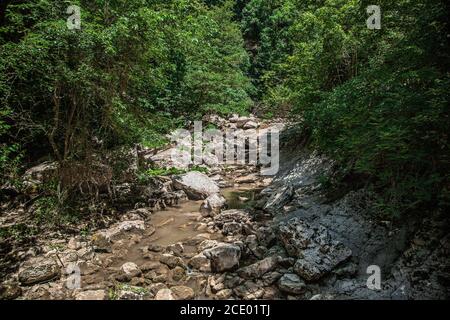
(178, 273)
(130, 295)
(74, 244)
(200, 263)
(131, 269)
(91, 295)
(232, 228)
(36, 176)
(198, 186)
(39, 274)
(164, 159)
(212, 205)
(155, 287)
(317, 253)
(172, 261)
(258, 269)
(292, 284)
(164, 294)
(250, 125)
(224, 294)
(182, 293)
(176, 248)
(10, 291)
(155, 247)
(102, 240)
(250, 290)
(279, 199)
(223, 257)
(234, 118)
(241, 121)
(247, 179)
(234, 215)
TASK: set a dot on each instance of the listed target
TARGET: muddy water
(178, 224)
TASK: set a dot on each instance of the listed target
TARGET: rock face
(223, 257)
(39, 274)
(317, 253)
(291, 283)
(198, 186)
(212, 205)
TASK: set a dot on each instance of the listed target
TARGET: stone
(155, 247)
(279, 199)
(197, 185)
(223, 257)
(291, 283)
(247, 179)
(131, 269)
(232, 228)
(39, 274)
(212, 205)
(224, 294)
(258, 269)
(102, 240)
(317, 253)
(172, 261)
(91, 295)
(250, 125)
(182, 293)
(36, 176)
(151, 265)
(200, 262)
(178, 273)
(164, 294)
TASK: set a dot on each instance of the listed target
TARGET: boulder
(317, 253)
(258, 269)
(197, 185)
(130, 269)
(291, 283)
(172, 261)
(200, 263)
(182, 293)
(223, 257)
(39, 274)
(212, 205)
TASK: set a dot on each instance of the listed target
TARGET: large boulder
(317, 253)
(223, 257)
(102, 240)
(197, 185)
(39, 274)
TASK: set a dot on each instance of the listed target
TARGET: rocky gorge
(230, 233)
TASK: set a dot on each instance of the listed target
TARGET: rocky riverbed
(234, 234)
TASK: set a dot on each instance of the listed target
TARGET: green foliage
(374, 100)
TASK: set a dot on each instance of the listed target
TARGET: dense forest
(375, 101)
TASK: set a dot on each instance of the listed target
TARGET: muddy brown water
(176, 224)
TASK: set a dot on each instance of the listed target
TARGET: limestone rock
(197, 185)
(39, 274)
